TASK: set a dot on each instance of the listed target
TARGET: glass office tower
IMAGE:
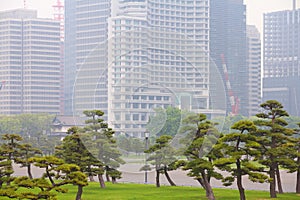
(228, 37)
(86, 35)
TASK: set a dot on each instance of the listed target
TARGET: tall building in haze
(254, 67)
(282, 58)
(85, 72)
(140, 55)
(29, 63)
(159, 57)
(228, 38)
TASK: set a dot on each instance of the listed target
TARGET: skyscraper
(282, 58)
(228, 38)
(254, 67)
(159, 58)
(86, 35)
(140, 55)
(29, 63)
(281, 44)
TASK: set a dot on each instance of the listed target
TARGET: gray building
(285, 90)
(282, 57)
(254, 67)
(29, 63)
(228, 38)
(133, 56)
(85, 72)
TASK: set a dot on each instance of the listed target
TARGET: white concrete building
(29, 63)
(254, 67)
(158, 57)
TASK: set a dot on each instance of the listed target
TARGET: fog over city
(202, 93)
(255, 8)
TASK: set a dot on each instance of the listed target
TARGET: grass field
(150, 192)
(122, 191)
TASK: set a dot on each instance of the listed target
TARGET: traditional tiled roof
(68, 120)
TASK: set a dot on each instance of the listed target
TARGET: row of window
(139, 105)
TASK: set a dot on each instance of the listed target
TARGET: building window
(135, 117)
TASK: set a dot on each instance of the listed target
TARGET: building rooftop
(18, 14)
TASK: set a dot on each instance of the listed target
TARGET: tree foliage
(276, 141)
(238, 148)
(200, 150)
(165, 121)
(33, 128)
(73, 151)
(102, 144)
(163, 157)
(57, 174)
(130, 144)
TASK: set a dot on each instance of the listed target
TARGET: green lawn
(150, 192)
(122, 191)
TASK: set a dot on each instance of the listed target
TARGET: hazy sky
(255, 8)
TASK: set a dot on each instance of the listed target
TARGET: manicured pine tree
(102, 143)
(275, 141)
(238, 148)
(6, 169)
(25, 152)
(73, 151)
(10, 152)
(295, 165)
(162, 156)
(200, 150)
(58, 173)
(11, 143)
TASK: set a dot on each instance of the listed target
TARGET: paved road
(131, 173)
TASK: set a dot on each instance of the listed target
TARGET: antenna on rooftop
(294, 4)
(59, 15)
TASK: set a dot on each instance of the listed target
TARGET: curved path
(131, 174)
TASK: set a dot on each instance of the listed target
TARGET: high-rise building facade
(282, 58)
(29, 63)
(228, 39)
(159, 58)
(127, 57)
(157, 55)
(281, 44)
(86, 35)
(254, 67)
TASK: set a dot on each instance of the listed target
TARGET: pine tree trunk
(107, 177)
(113, 180)
(168, 177)
(91, 177)
(278, 178)
(209, 174)
(200, 180)
(272, 171)
(273, 182)
(157, 178)
(101, 181)
(29, 171)
(49, 176)
(298, 176)
(239, 181)
(79, 192)
(208, 189)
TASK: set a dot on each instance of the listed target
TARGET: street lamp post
(146, 157)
